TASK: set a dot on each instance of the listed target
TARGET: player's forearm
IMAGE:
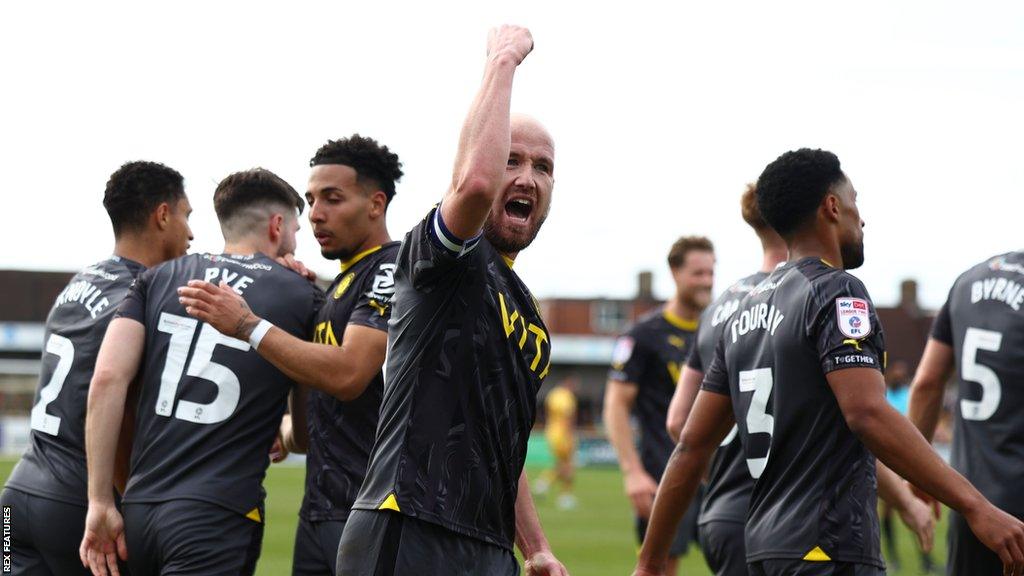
(925, 406)
(891, 488)
(294, 426)
(682, 401)
(620, 434)
(321, 366)
(899, 445)
(102, 424)
(529, 535)
(675, 492)
(483, 148)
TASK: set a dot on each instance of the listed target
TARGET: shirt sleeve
(716, 377)
(694, 359)
(846, 329)
(373, 308)
(628, 359)
(134, 304)
(942, 329)
(433, 250)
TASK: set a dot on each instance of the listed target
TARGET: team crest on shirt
(853, 316)
(344, 284)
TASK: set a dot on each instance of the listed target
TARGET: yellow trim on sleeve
(346, 264)
(681, 323)
(817, 555)
(254, 515)
(390, 503)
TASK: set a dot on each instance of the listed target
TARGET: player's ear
(162, 216)
(378, 204)
(830, 206)
(275, 227)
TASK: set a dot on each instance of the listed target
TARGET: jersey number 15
(182, 329)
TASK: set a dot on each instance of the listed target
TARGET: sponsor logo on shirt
(853, 318)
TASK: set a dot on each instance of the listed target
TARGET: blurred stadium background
(595, 538)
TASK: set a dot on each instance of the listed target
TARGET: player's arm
(294, 431)
(914, 512)
(860, 393)
(342, 371)
(530, 538)
(122, 461)
(485, 138)
(619, 397)
(937, 364)
(116, 365)
(708, 424)
(682, 401)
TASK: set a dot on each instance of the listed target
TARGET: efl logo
(852, 317)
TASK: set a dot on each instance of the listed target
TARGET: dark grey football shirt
(727, 495)
(467, 353)
(54, 464)
(983, 320)
(209, 406)
(341, 433)
(815, 492)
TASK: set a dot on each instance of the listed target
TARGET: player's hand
(278, 452)
(1001, 533)
(103, 542)
(641, 489)
(218, 306)
(512, 41)
(917, 515)
(544, 564)
(645, 572)
(289, 261)
(927, 498)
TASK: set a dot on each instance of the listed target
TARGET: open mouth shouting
(519, 209)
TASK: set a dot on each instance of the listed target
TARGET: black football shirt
(341, 433)
(727, 495)
(467, 353)
(983, 320)
(815, 490)
(209, 406)
(651, 356)
(54, 465)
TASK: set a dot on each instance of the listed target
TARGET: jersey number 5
(991, 390)
(760, 382)
(64, 350)
(182, 330)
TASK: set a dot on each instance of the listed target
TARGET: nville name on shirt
(998, 289)
(757, 317)
(85, 293)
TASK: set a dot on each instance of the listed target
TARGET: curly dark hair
(685, 245)
(375, 165)
(136, 189)
(252, 188)
(791, 188)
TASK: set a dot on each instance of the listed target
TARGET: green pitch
(594, 539)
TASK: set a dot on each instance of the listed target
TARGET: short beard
(853, 255)
(693, 299)
(508, 245)
(339, 254)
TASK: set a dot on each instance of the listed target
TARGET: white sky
(660, 114)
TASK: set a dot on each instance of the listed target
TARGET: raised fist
(514, 42)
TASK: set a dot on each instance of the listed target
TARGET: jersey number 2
(760, 382)
(991, 390)
(182, 329)
(64, 350)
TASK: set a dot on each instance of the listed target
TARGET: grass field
(595, 539)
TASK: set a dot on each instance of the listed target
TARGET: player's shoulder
(648, 323)
(1006, 263)
(113, 270)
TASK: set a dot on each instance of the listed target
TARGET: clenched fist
(510, 41)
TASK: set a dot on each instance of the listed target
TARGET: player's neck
(378, 238)
(679, 309)
(147, 253)
(811, 246)
(249, 246)
(774, 254)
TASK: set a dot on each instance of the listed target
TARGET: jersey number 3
(182, 330)
(760, 382)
